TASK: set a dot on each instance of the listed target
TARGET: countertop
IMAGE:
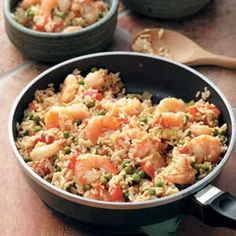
(22, 212)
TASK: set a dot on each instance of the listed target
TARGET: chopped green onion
(144, 120)
(26, 132)
(181, 142)
(101, 14)
(29, 13)
(60, 14)
(125, 163)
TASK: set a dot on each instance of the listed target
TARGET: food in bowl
(59, 15)
(92, 139)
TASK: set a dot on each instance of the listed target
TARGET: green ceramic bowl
(56, 47)
(166, 9)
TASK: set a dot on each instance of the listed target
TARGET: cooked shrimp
(179, 170)
(205, 148)
(124, 105)
(47, 6)
(152, 163)
(99, 125)
(197, 129)
(85, 164)
(171, 120)
(69, 89)
(172, 105)
(57, 116)
(42, 151)
(28, 3)
(96, 79)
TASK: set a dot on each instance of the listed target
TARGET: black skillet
(162, 78)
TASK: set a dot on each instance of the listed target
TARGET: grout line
(16, 69)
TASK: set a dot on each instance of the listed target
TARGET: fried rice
(92, 139)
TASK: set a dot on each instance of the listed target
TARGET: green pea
(67, 150)
(81, 82)
(78, 121)
(66, 134)
(93, 69)
(181, 142)
(37, 128)
(87, 187)
(205, 166)
(144, 120)
(58, 169)
(151, 191)
(136, 178)
(103, 180)
(101, 14)
(159, 184)
(101, 113)
(126, 195)
(128, 170)
(29, 13)
(125, 163)
(26, 132)
(36, 118)
(90, 104)
(26, 159)
(60, 14)
(141, 174)
(108, 175)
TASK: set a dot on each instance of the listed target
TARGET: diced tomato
(40, 27)
(148, 168)
(193, 111)
(42, 168)
(124, 120)
(57, 26)
(214, 109)
(100, 5)
(183, 150)
(72, 162)
(116, 194)
(44, 138)
(32, 106)
(99, 96)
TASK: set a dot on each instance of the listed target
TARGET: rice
(93, 140)
(61, 16)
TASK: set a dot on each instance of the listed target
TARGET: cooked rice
(146, 155)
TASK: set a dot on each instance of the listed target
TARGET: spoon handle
(213, 59)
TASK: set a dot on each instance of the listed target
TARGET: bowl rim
(34, 33)
(121, 205)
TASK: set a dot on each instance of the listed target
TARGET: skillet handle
(215, 207)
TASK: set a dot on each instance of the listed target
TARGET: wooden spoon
(173, 45)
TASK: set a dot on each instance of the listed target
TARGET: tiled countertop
(22, 212)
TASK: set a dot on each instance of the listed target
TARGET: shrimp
(57, 116)
(171, 120)
(99, 125)
(179, 170)
(152, 163)
(42, 151)
(205, 148)
(197, 129)
(142, 143)
(96, 79)
(69, 89)
(85, 164)
(127, 106)
(172, 105)
(47, 6)
(28, 3)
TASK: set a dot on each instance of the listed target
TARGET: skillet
(162, 78)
